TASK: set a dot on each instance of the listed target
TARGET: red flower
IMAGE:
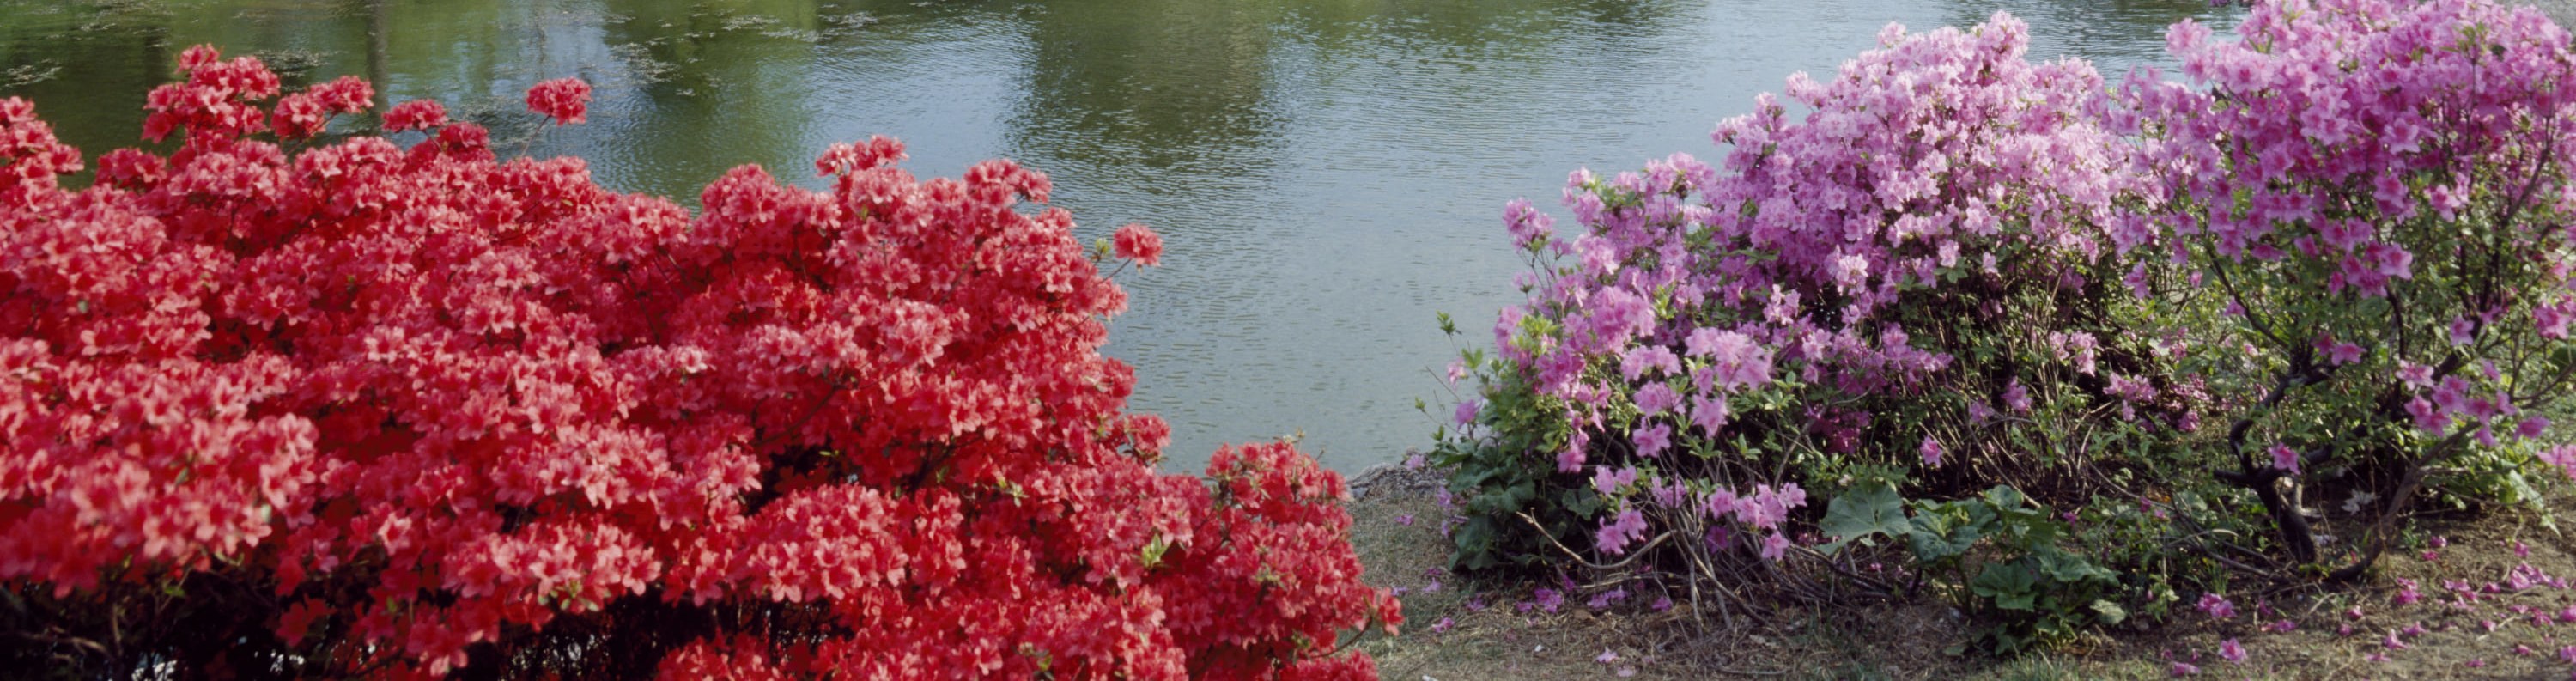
(417, 114)
(564, 99)
(1139, 243)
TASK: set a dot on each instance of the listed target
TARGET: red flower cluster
(368, 410)
(566, 100)
(1139, 243)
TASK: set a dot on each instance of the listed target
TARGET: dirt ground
(1462, 628)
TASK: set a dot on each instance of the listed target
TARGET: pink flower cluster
(2345, 163)
(1692, 288)
(2349, 160)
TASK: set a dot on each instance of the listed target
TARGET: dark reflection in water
(1328, 173)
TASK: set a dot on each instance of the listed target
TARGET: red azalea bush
(293, 408)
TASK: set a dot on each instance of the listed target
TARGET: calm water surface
(1328, 174)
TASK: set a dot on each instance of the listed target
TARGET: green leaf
(1871, 508)
(2010, 585)
(1943, 538)
(2068, 568)
(2004, 497)
(2109, 612)
(1940, 534)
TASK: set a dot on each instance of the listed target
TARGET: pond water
(1328, 174)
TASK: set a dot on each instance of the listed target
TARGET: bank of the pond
(1396, 528)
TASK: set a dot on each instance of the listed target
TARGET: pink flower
(2562, 456)
(2285, 458)
(2429, 417)
(566, 100)
(2217, 606)
(2016, 397)
(2131, 389)
(1614, 536)
(2185, 669)
(2416, 376)
(1708, 413)
(2551, 320)
(1548, 599)
(1652, 440)
(1931, 452)
(1720, 503)
(1526, 223)
(1139, 243)
(1609, 482)
(1783, 306)
(1656, 398)
(2230, 651)
(1637, 360)
(1774, 546)
(1850, 271)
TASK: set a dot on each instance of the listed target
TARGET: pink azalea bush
(2339, 253)
(1823, 297)
(2377, 193)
